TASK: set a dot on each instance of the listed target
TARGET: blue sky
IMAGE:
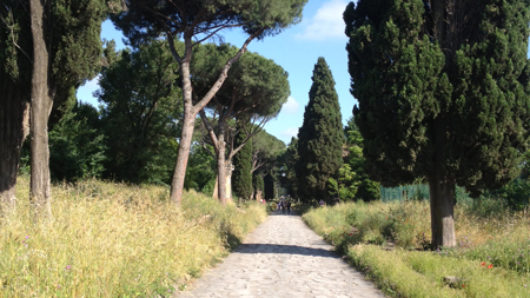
(296, 49)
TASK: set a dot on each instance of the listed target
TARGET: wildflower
(483, 264)
(27, 237)
(68, 267)
(490, 266)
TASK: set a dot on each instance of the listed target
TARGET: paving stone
(282, 258)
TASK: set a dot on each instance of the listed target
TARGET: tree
(320, 138)
(49, 51)
(444, 94)
(139, 114)
(15, 83)
(366, 189)
(242, 178)
(266, 150)
(201, 20)
(77, 145)
(288, 160)
(255, 91)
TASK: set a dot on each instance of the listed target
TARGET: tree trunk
(221, 167)
(215, 194)
(229, 168)
(14, 128)
(442, 193)
(190, 110)
(177, 183)
(41, 104)
(259, 195)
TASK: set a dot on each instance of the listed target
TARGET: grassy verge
(110, 239)
(388, 242)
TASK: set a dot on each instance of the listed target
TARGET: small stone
(453, 281)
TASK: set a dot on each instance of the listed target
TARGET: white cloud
(290, 132)
(291, 106)
(327, 22)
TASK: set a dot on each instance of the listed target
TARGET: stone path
(283, 258)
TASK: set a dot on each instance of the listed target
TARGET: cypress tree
(242, 177)
(69, 49)
(320, 138)
(444, 94)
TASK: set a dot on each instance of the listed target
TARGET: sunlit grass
(390, 240)
(110, 239)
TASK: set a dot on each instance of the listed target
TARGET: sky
(296, 49)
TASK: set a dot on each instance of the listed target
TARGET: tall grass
(388, 240)
(108, 239)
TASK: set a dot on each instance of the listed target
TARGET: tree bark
(215, 194)
(14, 128)
(191, 110)
(177, 184)
(443, 198)
(229, 168)
(41, 104)
(221, 167)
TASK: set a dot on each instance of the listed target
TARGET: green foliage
(516, 194)
(453, 105)
(254, 91)
(356, 182)
(15, 49)
(258, 182)
(266, 150)
(72, 35)
(139, 114)
(288, 161)
(201, 174)
(385, 240)
(77, 146)
(148, 19)
(255, 86)
(320, 138)
(242, 176)
(402, 273)
(346, 186)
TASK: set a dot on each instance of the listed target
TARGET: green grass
(111, 240)
(388, 242)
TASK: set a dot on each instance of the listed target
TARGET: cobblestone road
(282, 258)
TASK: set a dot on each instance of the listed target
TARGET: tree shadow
(254, 248)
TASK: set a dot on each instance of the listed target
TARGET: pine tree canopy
(443, 88)
(320, 138)
(150, 18)
(255, 87)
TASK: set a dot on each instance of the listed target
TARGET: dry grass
(110, 239)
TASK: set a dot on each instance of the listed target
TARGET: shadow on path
(253, 248)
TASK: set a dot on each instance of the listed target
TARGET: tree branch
(219, 28)
(224, 73)
(174, 52)
(249, 136)
(210, 130)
